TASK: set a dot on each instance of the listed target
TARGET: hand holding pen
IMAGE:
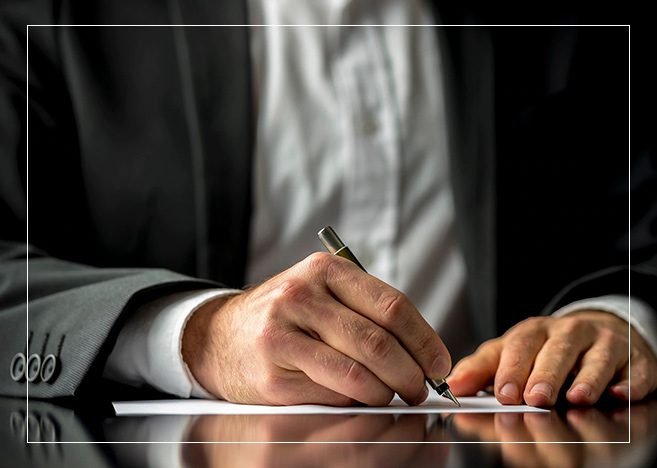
(334, 245)
(323, 331)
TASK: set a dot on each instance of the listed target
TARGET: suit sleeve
(74, 312)
(49, 306)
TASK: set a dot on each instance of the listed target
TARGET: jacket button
(33, 367)
(49, 368)
(17, 367)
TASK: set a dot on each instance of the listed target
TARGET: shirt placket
(371, 150)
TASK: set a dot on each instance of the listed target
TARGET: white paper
(433, 404)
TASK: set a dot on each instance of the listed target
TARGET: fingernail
(510, 390)
(543, 389)
(583, 389)
(440, 367)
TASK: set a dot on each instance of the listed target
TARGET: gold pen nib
(448, 394)
(441, 387)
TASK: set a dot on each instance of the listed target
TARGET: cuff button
(33, 367)
(17, 367)
(49, 368)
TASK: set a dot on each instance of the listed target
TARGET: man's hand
(322, 331)
(532, 360)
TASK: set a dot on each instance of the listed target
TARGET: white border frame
(27, 185)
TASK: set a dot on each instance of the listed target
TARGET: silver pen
(336, 247)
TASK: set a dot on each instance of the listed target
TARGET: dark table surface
(69, 435)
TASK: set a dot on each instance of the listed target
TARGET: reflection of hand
(314, 428)
(577, 425)
(323, 331)
(533, 359)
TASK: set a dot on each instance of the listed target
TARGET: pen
(336, 247)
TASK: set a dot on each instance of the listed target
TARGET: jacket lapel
(215, 75)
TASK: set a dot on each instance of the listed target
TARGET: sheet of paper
(433, 404)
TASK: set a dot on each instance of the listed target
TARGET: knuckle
(571, 325)
(319, 262)
(377, 344)
(393, 307)
(266, 340)
(512, 364)
(519, 341)
(272, 339)
(356, 375)
(559, 347)
(528, 324)
(272, 383)
(534, 322)
(429, 348)
(613, 340)
(605, 358)
(292, 291)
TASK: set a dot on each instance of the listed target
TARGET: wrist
(199, 336)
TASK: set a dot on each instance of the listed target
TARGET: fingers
(333, 370)
(372, 346)
(477, 371)
(516, 361)
(598, 366)
(555, 361)
(643, 380)
(297, 388)
(387, 307)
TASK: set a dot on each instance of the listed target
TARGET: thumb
(477, 371)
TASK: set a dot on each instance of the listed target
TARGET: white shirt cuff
(639, 314)
(148, 350)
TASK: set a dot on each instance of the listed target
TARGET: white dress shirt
(351, 132)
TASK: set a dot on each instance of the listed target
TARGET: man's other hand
(322, 332)
(533, 359)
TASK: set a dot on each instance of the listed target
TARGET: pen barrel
(344, 252)
(330, 239)
(335, 246)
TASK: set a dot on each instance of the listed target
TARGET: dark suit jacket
(138, 136)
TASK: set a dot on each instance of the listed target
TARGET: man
(144, 153)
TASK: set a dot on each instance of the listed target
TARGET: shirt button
(49, 368)
(17, 367)
(33, 367)
(370, 125)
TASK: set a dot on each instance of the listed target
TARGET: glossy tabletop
(565, 437)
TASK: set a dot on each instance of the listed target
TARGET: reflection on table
(376, 440)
